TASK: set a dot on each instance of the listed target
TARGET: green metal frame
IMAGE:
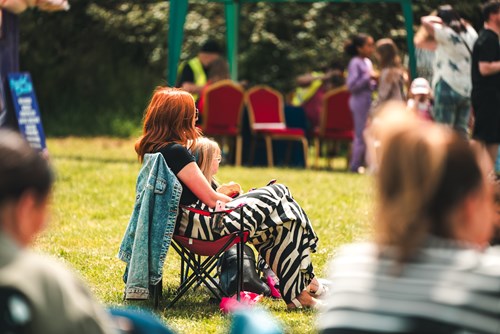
(177, 18)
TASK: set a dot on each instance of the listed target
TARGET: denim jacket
(149, 232)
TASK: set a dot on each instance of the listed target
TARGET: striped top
(449, 287)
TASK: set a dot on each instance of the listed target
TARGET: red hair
(167, 119)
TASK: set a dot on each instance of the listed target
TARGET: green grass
(94, 197)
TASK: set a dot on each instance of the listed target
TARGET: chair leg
(317, 148)
(331, 157)
(226, 151)
(288, 152)
(349, 154)
(269, 150)
(238, 150)
(252, 151)
(199, 274)
(335, 152)
(240, 246)
(156, 292)
(306, 149)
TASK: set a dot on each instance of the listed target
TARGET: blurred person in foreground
(428, 269)
(38, 294)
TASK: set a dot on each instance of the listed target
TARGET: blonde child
(393, 78)
(421, 98)
(207, 154)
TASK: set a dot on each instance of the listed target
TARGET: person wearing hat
(421, 98)
(192, 74)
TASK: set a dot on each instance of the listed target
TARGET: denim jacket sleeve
(149, 232)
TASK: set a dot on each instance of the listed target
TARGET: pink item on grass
(274, 292)
(230, 304)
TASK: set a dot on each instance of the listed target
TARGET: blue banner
(26, 108)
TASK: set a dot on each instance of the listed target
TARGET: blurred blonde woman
(427, 270)
(393, 78)
(425, 47)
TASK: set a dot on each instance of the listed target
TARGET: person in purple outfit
(361, 81)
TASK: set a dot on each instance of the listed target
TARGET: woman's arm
(193, 178)
(428, 23)
(489, 68)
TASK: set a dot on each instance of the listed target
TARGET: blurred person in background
(361, 82)
(451, 81)
(425, 47)
(312, 86)
(192, 74)
(393, 78)
(486, 80)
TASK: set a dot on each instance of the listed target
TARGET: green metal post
(177, 18)
(408, 15)
(232, 12)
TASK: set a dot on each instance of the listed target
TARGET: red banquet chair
(267, 120)
(336, 124)
(222, 110)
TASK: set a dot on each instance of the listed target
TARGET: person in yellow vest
(312, 86)
(192, 74)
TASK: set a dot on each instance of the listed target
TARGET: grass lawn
(94, 197)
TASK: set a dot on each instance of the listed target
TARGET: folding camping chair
(199, 259)
(198, 256)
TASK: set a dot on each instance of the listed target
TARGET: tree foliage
(94, 67)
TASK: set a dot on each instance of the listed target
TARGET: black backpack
(227, 268)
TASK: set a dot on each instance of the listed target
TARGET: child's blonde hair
(390, 60)
(205, 151)
(389, 53)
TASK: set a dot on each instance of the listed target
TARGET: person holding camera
(451, 81)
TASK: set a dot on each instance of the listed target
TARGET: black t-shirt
(486, 49)
(177, 157)
(186, 75)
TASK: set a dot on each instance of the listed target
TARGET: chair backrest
(335, 112)
(222, 108)
(265, 108)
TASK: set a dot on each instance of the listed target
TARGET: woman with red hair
(278, 227)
